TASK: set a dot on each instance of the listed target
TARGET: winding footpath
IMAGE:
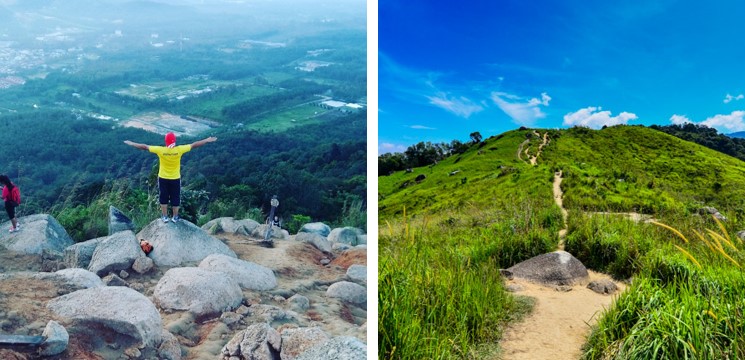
(560, 321)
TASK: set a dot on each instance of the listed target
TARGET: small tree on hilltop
(475, 137)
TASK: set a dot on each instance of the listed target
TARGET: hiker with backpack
(12, 197)
(169, 170)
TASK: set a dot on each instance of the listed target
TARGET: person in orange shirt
(169, 170)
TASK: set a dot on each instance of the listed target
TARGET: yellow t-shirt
(170, 160)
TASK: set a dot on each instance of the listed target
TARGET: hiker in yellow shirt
(169, 171)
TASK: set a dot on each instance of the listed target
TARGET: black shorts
(10, 208)
(170, 189)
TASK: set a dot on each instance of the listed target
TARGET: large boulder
(119, 222)
(116, 252)
(230, 225)
(346, 235)
(181, 243)
(38, 232)
(320, 242)
(298, 340)
(56, 339)
(81, 278)
(316, 228)
(246, 274)
(338, 348)
(79, 255)
(348, 292)
(119, 309)
(277, 232)
(199, 291)
(555, 268)
(357, 273)
(257, 342)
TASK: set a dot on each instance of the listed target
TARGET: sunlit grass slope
(444, 237)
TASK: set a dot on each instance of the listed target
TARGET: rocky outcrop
(338, 348)
(298, 340)
(119, 222)
(320, 242)
(299, 303)
(79, 255)
(119, 309)
(169, 348)
(315, 228)
(38, 232)
(199, 291)
(181, 243)
(713, 212)
(116, 252)
(247, 274)
(556, 268)
(230, 225)
(348, 292)
(258, 342)
(346, 235)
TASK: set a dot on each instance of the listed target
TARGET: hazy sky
(447, 69)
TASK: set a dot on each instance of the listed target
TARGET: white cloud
(391, 148)
(727, 123)
(461, 106)
(422, 127)
(521, 111)
(679, 119)
(729, 98)
(594, 117)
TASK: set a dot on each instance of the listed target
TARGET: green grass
(440, 296)
(289, 118)
(498, 210)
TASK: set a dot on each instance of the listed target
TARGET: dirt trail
(559, 198)
(534, 159)
(559, 324)
(561, 318)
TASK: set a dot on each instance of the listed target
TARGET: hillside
(622, 168)
(447, 229)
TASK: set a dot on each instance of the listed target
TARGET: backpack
(15, 195)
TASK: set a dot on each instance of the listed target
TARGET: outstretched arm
(199, 143)
(137, 145)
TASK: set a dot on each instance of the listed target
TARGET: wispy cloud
(461, 106)
(729, 98)
(680, 119)
(594, 117)
(422, 127)
(523, 111)
(414, 85)
(390, 148)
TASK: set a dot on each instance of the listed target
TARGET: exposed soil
(559, 323)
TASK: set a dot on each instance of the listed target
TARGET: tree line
(423, 154)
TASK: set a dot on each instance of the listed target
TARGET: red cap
(170, 139)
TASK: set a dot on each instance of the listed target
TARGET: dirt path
(561, 319)
(559, 198)
(559, 324)
(534, 159)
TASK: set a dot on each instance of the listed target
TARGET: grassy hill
(446, 229)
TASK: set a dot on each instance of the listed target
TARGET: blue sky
(449, 68)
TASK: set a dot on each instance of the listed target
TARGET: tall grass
(440, 293)
(687, 302)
